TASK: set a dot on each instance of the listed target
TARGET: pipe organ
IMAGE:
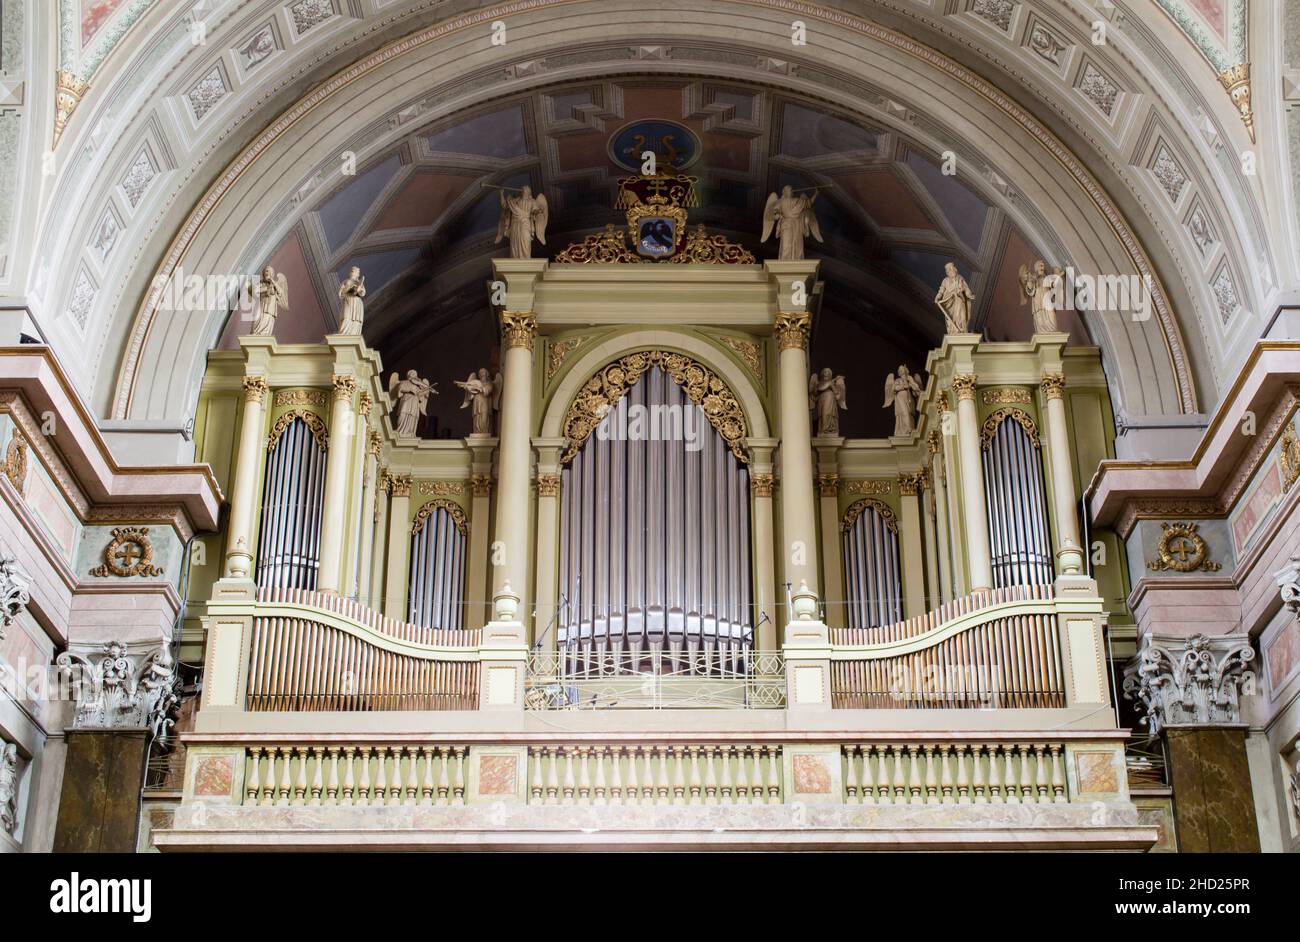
(438, 566)
(873, 578)
(293, 491)
(1017, 504)
(654, 544)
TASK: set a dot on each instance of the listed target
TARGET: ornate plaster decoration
(1288, 457)
(8, 787)
(1046, 43)
(857, 508)
(792, 330)
(707, 390)
(259, 46)
(1095, 86)
(750, 353)
(120, 687)
(762, 485)
(1182, 549)
(1237, 81)
(15, 463)
(376, 443)
(442, 488)
(868, 487)
(1194, 681)
(1295, 789)
(1169, 173)
(138, 177)
(1005, 396)
(129, 553)
(559, 352)
(309, 13)
(454, 509)
(932, 442)
(83, 296)
(15, 591)
(1225, 293)
(997, 418)
(206, 93)
(1201, 230)
(1288, 583)
(68, 92)
(548, 485)
(300, 397)
(518, 328)
(997, 12)
(315, 424)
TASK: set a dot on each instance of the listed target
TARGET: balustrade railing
(712, 678)
(954, 773)
(655, 775)
(354, 775)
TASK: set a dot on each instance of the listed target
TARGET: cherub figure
(523, 217)
(269, 293)
(483, 397)
(1039, 290)
(793, 218)
(412, 396)
(826, 398)
(353, 312)
(901, 392)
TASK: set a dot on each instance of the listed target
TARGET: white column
(798, 507)
(978, 551)
(548, 540)
(338, 472)
(767, 597)
(1068, 551)
(828, 506)
(913, 557)
(399, 547)
(514, 453)
(366, 538)
(243, 496)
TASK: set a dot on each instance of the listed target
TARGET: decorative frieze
(1182, 549)
(15, 591)
(442, 488)
(792, 330)
(118, 686)
(129, 553)
(518, 328)
(1005, 395)
(1195, 681)
(297, 397)
(868, 487)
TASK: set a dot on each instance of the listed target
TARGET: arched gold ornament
(315, 424)
(995, 419)
(858, 507)
(440, 503)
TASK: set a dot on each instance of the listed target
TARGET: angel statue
(826, 399)
(353, 311)
(412, 400)
(523, 216)
(793, 218)
(1040, 289)
(954, 299)
(269, 293)
(483, 397)
(901, 392)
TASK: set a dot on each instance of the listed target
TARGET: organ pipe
(1017, 508)
(438, 550)
(288, 548)
(872, 577)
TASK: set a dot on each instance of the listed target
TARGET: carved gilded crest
(129, 553)
(1182, 549)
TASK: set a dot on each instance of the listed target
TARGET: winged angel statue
(901, 392)
(791, 214)
(826, 397)
(523, 217)
(482, 397)
(412, 400)
(269, 293)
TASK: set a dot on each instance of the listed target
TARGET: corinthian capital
(122, 686)
(519, 328)
(15, 586)
(1194, 681)
(254, 388)
(964, 384)
(1288, 582)
(792, 330)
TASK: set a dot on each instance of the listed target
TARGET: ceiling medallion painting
(673, 145)
(656, 206)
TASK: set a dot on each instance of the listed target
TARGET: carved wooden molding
(315, 424)
(992, 423)
(858, 507)
(440, 503)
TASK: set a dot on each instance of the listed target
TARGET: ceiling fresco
(420, 220)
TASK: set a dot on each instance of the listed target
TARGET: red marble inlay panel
(214, 775)
(496, 775)
(811, 777)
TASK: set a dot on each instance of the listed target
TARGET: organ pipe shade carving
(1017, 503)
(995, 420)
(312, 421)
(699, 383)
(654, 544)
(872, 574)
(293, 493)
(438, 551)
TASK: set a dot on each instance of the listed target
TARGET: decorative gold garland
(1190, 554)
(603, 391)
(997, 418)
(858, 507)
(314, 423)
(1289, 456)
(15, 463)
(130, 565)
(440, 503)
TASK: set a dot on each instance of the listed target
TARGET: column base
(1214, 808)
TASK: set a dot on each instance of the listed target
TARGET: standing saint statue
(826, 398)
(353, 312)
(954, 299)
(482, 397)
(901, 392)
(269, 293)
(794, 220)
(1039, 289)
(412, 400)
(523, 217)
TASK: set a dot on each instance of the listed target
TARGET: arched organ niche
(288, 547)
(438, 566)
(654, 546)
(1017, 503)
(872, 577)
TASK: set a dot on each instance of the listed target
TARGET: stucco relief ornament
(954, 299)
(8, 787)
(1182, 549)
(1288, 457)
(1039, 289)
(901, 392)
(791, 215)
(482, 397)
(352, 313)
(412, 401)
(118, 688)
(1197, 685)
(1288, 582)
(129, 553)
(15, 591)
(523, 218)
(826, 398)
(269, 293)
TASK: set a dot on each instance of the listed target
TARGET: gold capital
(828, 483)
(401, 485)
(761, 484)
(344, 387)
(254, 389)
(519, 328)
(964, 383)
(482, 485)
(792, 330)
(1053, 384)
(548, 485)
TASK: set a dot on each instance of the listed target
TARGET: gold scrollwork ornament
(1289, 457)
(1182, 549)
(129, 553)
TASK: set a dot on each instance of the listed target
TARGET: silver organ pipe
(288, 544)
(1017, 507)
(438, 548)
(654, 546)
(872, 577)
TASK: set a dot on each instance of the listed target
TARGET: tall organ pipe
(289, 531)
